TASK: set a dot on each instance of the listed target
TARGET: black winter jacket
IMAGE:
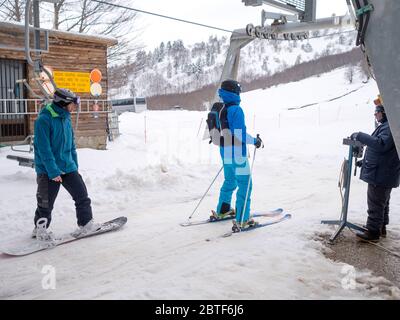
(381, 164)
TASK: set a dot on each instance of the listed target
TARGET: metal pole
(248, 187)
(206, 193)
(347, 193)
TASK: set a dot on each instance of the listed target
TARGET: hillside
(174, 74)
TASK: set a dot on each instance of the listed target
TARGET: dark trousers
(378, 207)
(47, 193)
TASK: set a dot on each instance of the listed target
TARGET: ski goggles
(379, 109)
(77, 101)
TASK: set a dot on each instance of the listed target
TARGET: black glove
(258, 142)
(354, 136)
(359, 163)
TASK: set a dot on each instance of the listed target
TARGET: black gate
(13, 127)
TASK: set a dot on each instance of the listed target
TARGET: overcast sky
(226, 14)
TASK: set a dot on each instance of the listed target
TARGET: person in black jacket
(380, 168)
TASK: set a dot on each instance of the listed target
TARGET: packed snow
(156, 172)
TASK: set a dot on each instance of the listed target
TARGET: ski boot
(237, 227)
(220, 216)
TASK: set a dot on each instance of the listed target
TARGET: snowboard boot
(89, 227)
(368, 236)
(41, 233)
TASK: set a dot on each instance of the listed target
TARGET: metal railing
(34, 106)
(14, 115)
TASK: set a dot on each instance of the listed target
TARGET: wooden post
(201, 121)
(145, 128)
(279, 120)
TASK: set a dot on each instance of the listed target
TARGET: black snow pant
(378, 207)
(47, 193)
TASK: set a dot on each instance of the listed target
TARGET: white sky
(226, 14)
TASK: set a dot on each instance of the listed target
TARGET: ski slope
(156, 180)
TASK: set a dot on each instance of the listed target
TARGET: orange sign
(95, 75)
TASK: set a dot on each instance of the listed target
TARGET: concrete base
(98, 142)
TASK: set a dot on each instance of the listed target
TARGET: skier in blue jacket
(56, 163)
(234, 158)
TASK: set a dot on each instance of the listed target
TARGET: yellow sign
(74, 81)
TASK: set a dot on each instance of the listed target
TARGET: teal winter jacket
(55, 151)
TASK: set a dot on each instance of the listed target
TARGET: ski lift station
(129, 105)
(75, 61)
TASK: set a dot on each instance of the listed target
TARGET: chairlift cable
(197, 23)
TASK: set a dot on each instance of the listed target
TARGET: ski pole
(248, 185)
(205, 193)
(248, 188)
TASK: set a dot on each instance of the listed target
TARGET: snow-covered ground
(157, 184)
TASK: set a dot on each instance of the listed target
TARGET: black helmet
(63, 97)
(232, 86)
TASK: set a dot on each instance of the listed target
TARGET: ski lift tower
(297, 19)
(375, 20)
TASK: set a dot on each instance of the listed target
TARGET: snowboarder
(380, 168)
(234, 158)
(56, 163)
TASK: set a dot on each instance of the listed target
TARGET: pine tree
(162, 52)
(169, 71)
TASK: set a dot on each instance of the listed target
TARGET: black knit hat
(232, 86)
(379, 108)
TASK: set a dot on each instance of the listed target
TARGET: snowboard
(271, 213)
(34, 245)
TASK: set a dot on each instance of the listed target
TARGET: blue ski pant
(236, 176)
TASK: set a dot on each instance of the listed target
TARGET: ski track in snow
(158, 184)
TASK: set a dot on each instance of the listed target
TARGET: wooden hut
(71, 57)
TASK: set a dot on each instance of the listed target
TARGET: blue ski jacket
(54, 146)
(237, 127)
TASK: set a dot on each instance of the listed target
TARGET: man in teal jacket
(56, 163)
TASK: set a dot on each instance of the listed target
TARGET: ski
(260, 225)
(271, 213)
(33, 245)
